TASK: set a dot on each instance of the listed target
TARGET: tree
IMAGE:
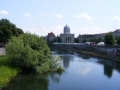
(76, 40)
(58, 39)
(118, 39)
(29, 51)
(8, 29)
(84, 41)
(109, 39)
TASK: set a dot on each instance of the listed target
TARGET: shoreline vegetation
(27, 52)
(7, 72)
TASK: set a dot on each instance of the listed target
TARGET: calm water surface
(81, 73)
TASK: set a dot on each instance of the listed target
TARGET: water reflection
(108, 71)
(55, 77)
(66, 61)
(109, 66)
(34, 82)
(82, 72)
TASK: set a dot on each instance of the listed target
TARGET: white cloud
(4, 12)
(43, 31)
(58, 29)
(116, 18)
(27, 15)
(84, 16)
(58, 15)
(42, 14)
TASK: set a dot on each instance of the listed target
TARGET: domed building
(66, 37)
(66, 29)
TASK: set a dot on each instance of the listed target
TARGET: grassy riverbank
(7, 73)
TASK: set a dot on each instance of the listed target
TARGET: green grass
(7, 73)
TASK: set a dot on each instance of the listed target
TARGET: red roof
(51, 34)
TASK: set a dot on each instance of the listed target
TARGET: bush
(6, 74)
(29, 51)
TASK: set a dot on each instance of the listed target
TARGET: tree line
(109, 39)
(8, 29)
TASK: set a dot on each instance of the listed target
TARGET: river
(82, 72)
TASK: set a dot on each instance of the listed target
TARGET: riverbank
(7, 73)
(90, 52)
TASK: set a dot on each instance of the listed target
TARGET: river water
(82, 72)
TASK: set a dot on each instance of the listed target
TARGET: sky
(44, 16)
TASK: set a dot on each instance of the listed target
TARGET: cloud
(44, 30)
(27, 15)
(42, 14)
(116, 18)
(58, 15)
(84, 16)
(58, 29)
(4, 12)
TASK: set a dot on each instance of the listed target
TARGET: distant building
(50, 37)
(116, 33)
(88, 37)
(66, 37)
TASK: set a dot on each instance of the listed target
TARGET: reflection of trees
(31, 82)
(108, 71)
(34, 82)
(85, 57)
(55, 77)
(109, 66)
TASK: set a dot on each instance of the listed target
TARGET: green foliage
(4, 60)
(118, 40)
(76, 40)
(57, 39)
(6, 74)
(84, 41)
(109, 39)
(8, 29)
(6, 71)
(29, 51)
(97, 40)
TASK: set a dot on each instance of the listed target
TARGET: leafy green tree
(118, 40)
(58, 39)
(8, 29)
(84, 40)
(76, 40)
(30, 51)
(98, 40)
(109, 39)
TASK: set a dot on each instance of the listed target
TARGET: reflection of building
(66, 37)
(66, 62)
(88, 37)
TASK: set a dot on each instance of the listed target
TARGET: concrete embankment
(111, 53)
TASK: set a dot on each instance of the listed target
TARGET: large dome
(66, 29)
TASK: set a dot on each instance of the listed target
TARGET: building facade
(88, 37)
(66, 37)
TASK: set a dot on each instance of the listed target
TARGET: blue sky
(44, 16)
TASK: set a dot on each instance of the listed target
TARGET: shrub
(6, 74)
(29, 51)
